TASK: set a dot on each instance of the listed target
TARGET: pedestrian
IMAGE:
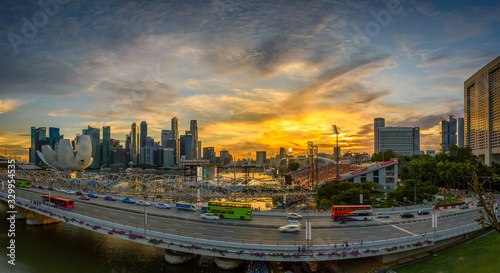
(361, 242)
(299, 249)
(352, 246)
(335, 246)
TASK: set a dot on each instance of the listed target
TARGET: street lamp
(336, 132)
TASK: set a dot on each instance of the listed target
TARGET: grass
(481, 255)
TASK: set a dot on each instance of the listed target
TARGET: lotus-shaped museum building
(66, 157)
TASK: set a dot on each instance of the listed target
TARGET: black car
(407, 215)
(79, 193)
(423, 212)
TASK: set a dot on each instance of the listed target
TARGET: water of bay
(66, 248)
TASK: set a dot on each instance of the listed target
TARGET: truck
(183, 206)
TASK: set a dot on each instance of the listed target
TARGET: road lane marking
(413, 234)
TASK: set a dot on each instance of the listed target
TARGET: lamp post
(336, 132)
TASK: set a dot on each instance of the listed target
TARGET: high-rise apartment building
(460, 132)
(175, 133)
(106, 141)
(401, 140)
(482, 112)
(134, 143)
(378, 122)
(447, 133)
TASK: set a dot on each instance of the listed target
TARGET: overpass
(183, 234)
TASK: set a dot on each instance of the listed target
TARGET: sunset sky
(257, 75)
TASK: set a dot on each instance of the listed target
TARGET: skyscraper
(260, 158)
(282, 152)
(460, 132)
(208, 153)
(32, 147)
(166, 135)
(378, 122)
(106, 139)
(175, 133)
(447, 133)
(144, 133)
(482, 112)
(53, 134)
(193, 127)
(40, 140)
(199, 150)
(95, 135)
(147, 152)
(189, 148)
(127, 142)
(134, 143)
(182, 150)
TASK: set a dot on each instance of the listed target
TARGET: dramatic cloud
(9, 105)
(257, 75)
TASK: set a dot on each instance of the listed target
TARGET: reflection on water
(66, 248)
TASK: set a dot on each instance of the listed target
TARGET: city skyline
(255, 75)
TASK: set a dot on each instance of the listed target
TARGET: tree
(384, 155)
(294, 166)
(488, 215)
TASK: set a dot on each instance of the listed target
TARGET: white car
(294, 216)
(142, 203)
(382, 215)
(209, 216)
(162, 206)
(70, 192)
(290, 228)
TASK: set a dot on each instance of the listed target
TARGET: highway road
(262, 229)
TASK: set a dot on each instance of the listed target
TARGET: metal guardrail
(247, 249)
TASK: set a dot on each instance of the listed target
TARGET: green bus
(23, 182)
(232, 210)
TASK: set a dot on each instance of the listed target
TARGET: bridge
(183, 234)
(164, 187)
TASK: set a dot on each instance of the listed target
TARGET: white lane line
(413, 234)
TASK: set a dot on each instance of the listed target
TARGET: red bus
(59, 202)
(352, 213)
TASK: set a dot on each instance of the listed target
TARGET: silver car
(382, 215)
(294, 216)
(290, 228)
(142, 203)
(209, 216)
